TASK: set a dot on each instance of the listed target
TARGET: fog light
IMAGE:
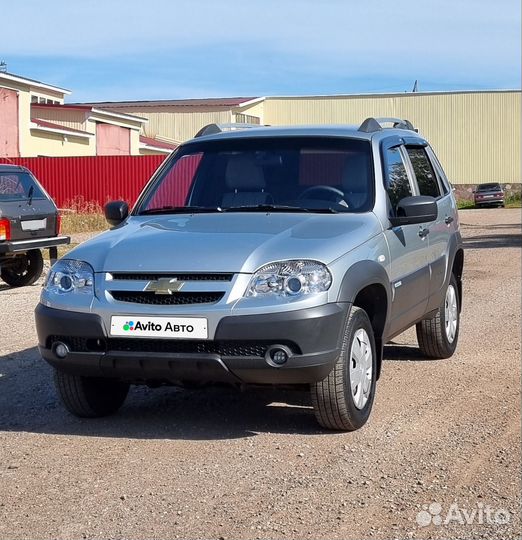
(278, 355)
(61, 350)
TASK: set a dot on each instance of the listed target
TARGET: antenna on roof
(3, 67)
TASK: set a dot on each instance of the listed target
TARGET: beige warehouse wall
(134, 142)
(254, 110)
(54, 145)
(177, 123)
(71, 118)
(475, 135)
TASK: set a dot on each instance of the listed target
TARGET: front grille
(177, 298)
(222, 348)
(180, 277)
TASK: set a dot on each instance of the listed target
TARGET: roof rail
(212, 129)
(376, 124)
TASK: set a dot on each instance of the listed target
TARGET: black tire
(26, 269)
(431, 333)
(332, 398)
(90, 397)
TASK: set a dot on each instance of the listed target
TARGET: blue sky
(161, 49)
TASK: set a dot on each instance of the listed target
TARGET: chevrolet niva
(264, 256)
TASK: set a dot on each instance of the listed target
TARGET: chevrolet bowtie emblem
(164, 286)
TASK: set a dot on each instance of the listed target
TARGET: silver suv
(268, 256)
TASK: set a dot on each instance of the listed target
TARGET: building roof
(88, 108)
(57, 128)
(32, 82)
(393, 94)
(232, 102)
(155, 143)
(206, 102)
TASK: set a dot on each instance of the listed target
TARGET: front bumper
(237, 354)
(20, 246)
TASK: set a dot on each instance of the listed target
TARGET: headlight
(290, 279)
(68, 276)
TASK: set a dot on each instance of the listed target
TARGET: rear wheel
(24, 269)
(344, 399)
(438, 336)
(90, 397)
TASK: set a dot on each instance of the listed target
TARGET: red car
(489, 195)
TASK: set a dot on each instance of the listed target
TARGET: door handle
(448, 220)
(424, 232)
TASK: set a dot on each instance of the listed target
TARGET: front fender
(358, 277)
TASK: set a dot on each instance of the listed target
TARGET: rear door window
(424, 173)
(397, 181)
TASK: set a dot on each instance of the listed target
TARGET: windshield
(489, 187)
(16, 186)
(304, 174)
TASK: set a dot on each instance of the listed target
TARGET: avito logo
(129, 325)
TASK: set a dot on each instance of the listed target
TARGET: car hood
(230, 242)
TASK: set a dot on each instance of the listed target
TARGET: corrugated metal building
(476, 134)
(180, 119)
(34, 121)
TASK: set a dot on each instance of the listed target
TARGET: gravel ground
(220, 464)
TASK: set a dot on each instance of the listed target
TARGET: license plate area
(134, 326)
(34, 224)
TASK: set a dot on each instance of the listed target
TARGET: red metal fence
(93, 178)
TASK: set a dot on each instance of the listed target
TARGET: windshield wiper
(180, 210)
(266, 208)
(30, 196)
(328, 210)
(279, 208)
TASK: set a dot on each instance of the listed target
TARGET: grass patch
(465, 204)
(79, 223)
(81, 216)
(513, 201)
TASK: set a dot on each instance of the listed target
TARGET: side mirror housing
(411, 210)
(116, 212)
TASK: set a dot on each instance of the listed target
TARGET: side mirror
(116, 212)
(411, 210)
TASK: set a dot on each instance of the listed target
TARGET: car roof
(348, 131)
(6, 167)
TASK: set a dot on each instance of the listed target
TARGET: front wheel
(90, 397)
(438, 336)
(344, 399)
(24, 269)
